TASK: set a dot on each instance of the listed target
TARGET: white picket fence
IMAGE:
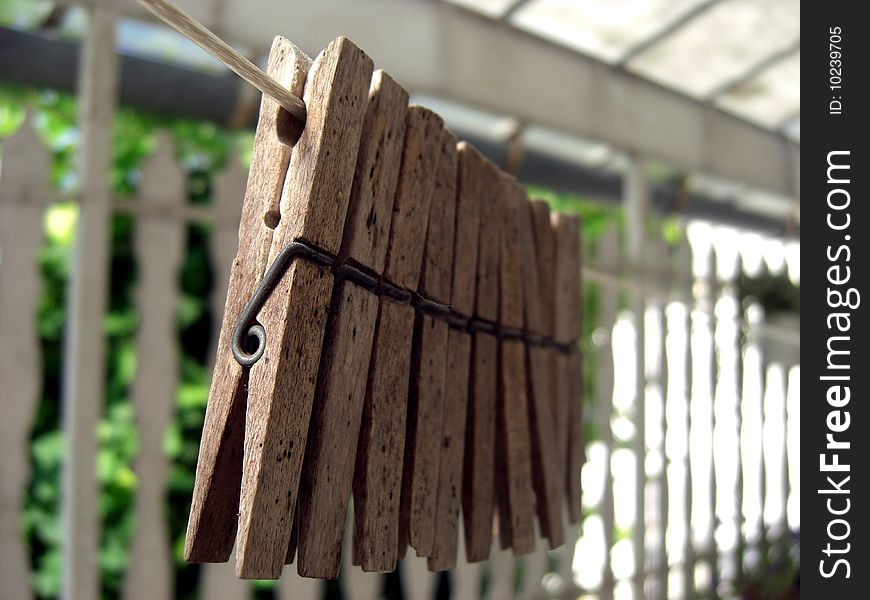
(692, 475)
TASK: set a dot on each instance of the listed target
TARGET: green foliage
(201, 149)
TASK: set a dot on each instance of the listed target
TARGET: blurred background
(671, 126)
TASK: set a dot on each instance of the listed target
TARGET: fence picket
(535, 567)
(355, 583)
(657, 261)
(502, 569)
(418, 583)
(160, 245)
(606, 259)
(465, 578)
(84, 376)
(24, 176)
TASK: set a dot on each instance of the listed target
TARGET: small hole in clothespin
(289, 128)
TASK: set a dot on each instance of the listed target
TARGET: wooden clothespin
(400, 326)
(214, 510)
(429, 360)
(380, 486)
(514, 450)
(535, 238)
(281, 385)
(331, 455)
(568, 368)
(480, 184)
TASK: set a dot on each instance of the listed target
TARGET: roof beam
(755, 70)
(36, 60)
(664, 32)
(447, 51)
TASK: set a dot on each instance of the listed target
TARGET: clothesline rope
(198, 33)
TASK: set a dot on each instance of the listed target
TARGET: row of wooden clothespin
(405, 335)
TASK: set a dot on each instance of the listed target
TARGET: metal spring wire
(248, 330)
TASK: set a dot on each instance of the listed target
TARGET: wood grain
(567, 330)
(514, 462)
(370, 212)
(314, 205)
(478, 483)
(574, 374)
(413, 196)
(379, 491)
(576, 442)
(478, 480)
(459, 215)
(545, 243)
(469, 190)
(214, 508)
(422, 153)
(282, 383)
(546, 471)
(436, 279)
(377, 485)
(428, 371)
(449, 488)
(423, 433)
(331, 453)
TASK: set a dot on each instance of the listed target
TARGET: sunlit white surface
(776, 477)
(589, 558)
(793, 412)
(771, 98)
(793, 261)
(750, 245)
(721, 44)
(774, 255)
(606, 29)
(723, 406)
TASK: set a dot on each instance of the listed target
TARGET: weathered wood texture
(479, 179)
(567, 330)
(330, 456)
(378, 477)
(213, 514)
(429, 361)
(27, 169)
(546, 471)
(332, 444)
(449, 489)
(378, 493)
(413, 196)
(282, 384)
(469, 190)
(370, 212)
(160, 247)
(367, 238)
(436, 279)
(514, 462)
(423, 432)
(546, 245)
